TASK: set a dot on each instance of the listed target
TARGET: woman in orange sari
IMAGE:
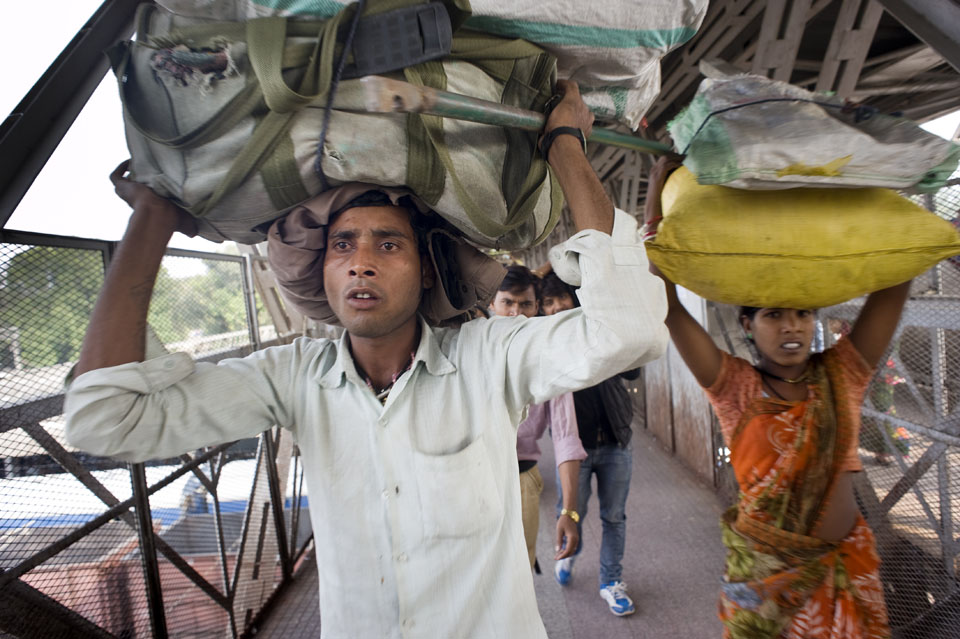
(801, 560)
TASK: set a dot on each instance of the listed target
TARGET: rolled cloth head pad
(296, 244)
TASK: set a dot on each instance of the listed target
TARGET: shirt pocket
(459, 496)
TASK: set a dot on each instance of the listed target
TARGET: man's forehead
(372, 219)
(525, 294)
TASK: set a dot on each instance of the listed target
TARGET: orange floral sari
(780, 581)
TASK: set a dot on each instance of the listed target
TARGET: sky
(72, 196)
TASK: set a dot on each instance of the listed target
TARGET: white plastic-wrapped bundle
(751, 132)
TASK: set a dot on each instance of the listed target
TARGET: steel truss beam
(934, 21)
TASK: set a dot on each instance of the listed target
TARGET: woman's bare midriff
(841, 511)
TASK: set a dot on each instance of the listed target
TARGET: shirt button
(408, 623)
(169, 364)
(402, 557)
(382, 422)
(385, 494)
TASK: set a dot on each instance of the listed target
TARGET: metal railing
(91, 547)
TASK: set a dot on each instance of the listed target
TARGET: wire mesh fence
(89, 546)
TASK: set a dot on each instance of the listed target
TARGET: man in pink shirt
(518, 297)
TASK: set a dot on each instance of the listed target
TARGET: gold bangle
(572, 514)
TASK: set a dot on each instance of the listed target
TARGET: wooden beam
(908, 67)
(629, 194)
(907, 87)
(893, 56)
(724, 23)
(287, 321)
(746, 56)
(783, 25)
(852, 36)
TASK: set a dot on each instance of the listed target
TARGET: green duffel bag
(225, 119)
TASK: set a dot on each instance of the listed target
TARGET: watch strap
(548, 138)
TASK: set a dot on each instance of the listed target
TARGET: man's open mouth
(362, 298)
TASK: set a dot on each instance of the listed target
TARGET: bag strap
(266, 38)
(428, 155)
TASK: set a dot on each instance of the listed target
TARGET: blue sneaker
(563, 570)
(615, 594)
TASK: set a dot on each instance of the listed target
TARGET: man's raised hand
(144, 201)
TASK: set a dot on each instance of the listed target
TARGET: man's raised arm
(619, 324)
(590, 208)
(117, 330)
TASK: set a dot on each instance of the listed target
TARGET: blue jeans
(613, 466)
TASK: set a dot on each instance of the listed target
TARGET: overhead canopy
(894, 55)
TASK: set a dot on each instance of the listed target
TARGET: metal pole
(276, 499)
(148, 552)
(376, 94)
(250, 301)
(141, 502)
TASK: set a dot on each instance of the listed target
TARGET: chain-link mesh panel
(53, 550)
(70, 550)
(198, 306)
(910, 446)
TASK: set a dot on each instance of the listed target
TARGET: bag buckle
(400, 38)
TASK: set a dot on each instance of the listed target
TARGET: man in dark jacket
(604, 414)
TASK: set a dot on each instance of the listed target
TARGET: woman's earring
(749, 335)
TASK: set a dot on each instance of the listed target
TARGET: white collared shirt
(415, 504)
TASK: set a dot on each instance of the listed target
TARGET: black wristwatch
(547, 141)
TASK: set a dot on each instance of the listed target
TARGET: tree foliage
(210, 303)
(47, 295)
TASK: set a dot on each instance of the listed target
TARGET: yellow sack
(799, 248)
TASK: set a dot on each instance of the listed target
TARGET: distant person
(604, 415)
(518, 297)
(801, 560)
(407, 432)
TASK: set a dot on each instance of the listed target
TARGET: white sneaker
(615, 594)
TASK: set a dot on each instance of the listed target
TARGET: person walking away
(604, 415)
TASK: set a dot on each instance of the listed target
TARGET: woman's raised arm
(694, 344)
(878, 321)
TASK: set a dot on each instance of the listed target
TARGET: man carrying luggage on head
(407, 432)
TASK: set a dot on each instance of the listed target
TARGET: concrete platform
(672, 563)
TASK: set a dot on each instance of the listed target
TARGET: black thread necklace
(381, 394)
(774, 390)
(804, 376)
